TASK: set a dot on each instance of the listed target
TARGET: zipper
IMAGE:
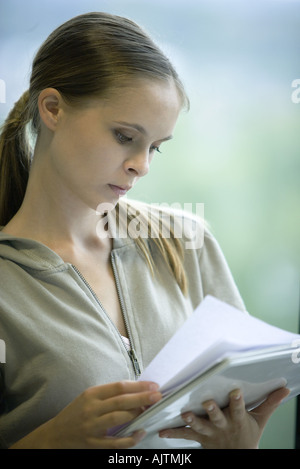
(131, 352)
(135, 362)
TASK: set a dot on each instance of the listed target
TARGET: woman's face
(97, 153)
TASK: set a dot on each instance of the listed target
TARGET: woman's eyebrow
(141, 129)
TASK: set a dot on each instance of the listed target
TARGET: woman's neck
(45, 218)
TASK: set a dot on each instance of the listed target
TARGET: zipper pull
(135, 362)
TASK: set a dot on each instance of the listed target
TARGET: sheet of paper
(213, 330)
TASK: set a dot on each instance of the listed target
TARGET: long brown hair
(89, 55)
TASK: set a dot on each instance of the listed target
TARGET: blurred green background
(237, 150)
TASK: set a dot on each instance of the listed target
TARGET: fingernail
(187, 418)
(153, 387)
(236, 395)
(210, 407)
(155, 397)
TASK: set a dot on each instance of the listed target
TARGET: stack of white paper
(214, 331)
(218, 349)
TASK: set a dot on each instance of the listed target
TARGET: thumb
(263, 412)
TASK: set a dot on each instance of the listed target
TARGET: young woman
(84, 309)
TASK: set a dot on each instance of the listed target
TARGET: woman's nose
(138, 164)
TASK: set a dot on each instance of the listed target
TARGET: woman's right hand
(85, 422)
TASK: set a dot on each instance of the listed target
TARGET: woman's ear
(50, 106)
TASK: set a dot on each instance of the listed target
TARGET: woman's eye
(154, 148)
(122, 138)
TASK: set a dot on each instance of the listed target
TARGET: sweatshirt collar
(35, 255)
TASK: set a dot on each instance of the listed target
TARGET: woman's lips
(119, 190)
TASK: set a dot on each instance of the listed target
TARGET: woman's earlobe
(49, 104)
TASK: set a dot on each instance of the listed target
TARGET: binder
(256, 373)
(218, 349)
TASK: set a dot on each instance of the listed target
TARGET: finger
(114, 419)
(185, 433)
(263, 412)
(106, 391)
(129, 401)
(237, 406)
(121, 443)
(198, 424)
(216, 416)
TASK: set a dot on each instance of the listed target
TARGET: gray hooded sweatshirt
(60, 341)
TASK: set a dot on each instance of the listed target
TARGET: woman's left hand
(232, 428)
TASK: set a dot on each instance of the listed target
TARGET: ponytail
(14, 160)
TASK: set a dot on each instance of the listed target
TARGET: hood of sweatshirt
(28, 253)
(31, 254)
